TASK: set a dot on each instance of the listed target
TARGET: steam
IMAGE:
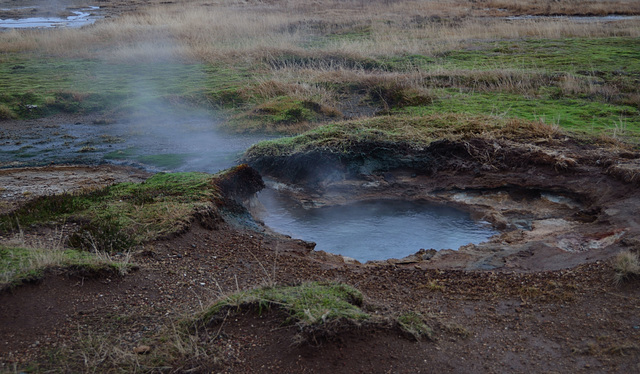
(163, 130)
(168, 134)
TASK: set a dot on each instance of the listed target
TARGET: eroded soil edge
(558, 202)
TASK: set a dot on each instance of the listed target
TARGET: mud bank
(557, 201)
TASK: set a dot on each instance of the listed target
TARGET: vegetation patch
(309, 304)
(118, 217)
(626, 267)
(414, 324)
(425, 144)
(25, 264)
(575, 114)
(317, 309)
(413, 131)
(282, 114)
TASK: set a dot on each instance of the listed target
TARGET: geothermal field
(384, 186)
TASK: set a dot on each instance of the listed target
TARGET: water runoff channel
(80, 17)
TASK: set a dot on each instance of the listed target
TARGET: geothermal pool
(373, 230)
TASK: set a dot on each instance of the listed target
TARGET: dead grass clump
(329, 60)
(340, 30)
(521, 129)
(303, 91)
(397, 95)
(565, 7)
(6, 112)
(626, 171)
(626, 266)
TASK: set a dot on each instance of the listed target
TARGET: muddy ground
(537, 298)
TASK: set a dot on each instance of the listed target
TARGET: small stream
(186, 145)
(80, 17)
(373, 230)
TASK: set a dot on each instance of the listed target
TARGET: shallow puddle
(373, 230)
(81, 17)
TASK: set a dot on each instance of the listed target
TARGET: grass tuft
(24, 264)
(414, 324)
(626, 267)
(307, 304)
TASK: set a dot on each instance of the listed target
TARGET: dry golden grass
(626, 266)
(565, 7)
(230, 30)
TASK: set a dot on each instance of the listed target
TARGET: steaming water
(80, 18)
(187, 145)
(374, 230)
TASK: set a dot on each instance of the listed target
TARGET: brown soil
(541, 309)
(569, 320)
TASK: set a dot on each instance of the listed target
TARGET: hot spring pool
(374, 230)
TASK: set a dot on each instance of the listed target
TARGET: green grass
(34, 86)
(120, 216)
(282, 114)
(414, 324)
(413, 131)
(586, 55)
(513, 78)
(307, 304)
(312, 306)
(24, 264)
(574, 114)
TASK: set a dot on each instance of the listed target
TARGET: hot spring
(373, 230)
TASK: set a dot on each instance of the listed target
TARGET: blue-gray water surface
(374, 230)
(194, 144)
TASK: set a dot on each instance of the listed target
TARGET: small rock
(142, 350)
(349, 260)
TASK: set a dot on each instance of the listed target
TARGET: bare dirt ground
(572, 320)
(541, 310)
